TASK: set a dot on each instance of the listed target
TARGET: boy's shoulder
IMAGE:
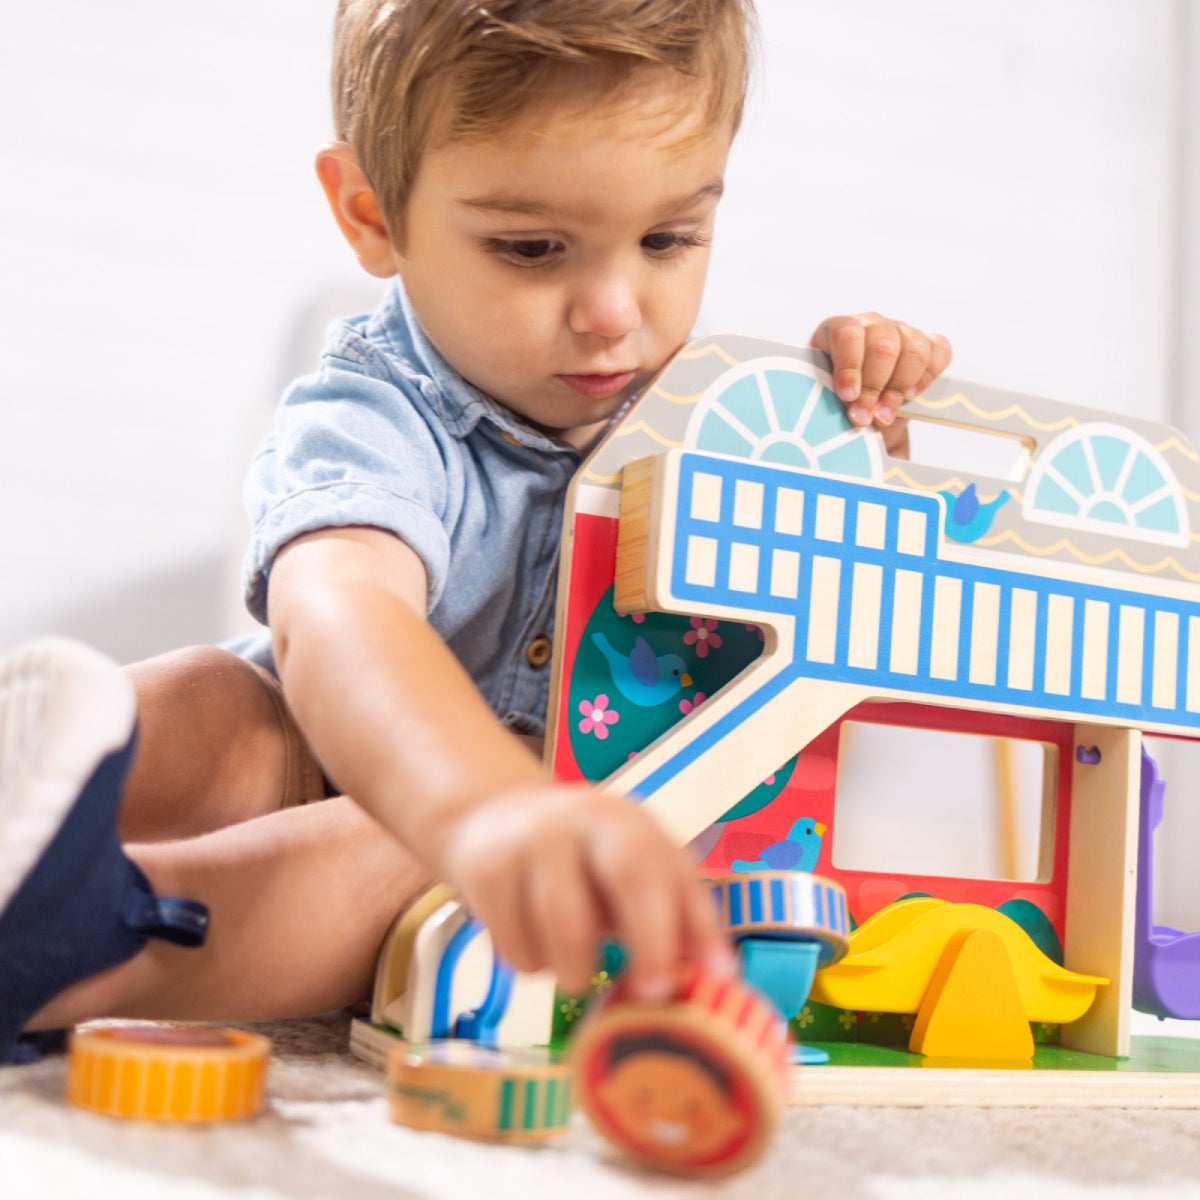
(388, 345)
(379, 366)
(385, 343)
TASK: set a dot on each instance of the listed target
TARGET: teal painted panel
(1049, 497)
(850, 458)
(1071, 463)
(1110, 454)
(1161, 516)
(1144, 479)
(827, 420)
(789, 391)
(744, 400)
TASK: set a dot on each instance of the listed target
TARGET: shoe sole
(64, 708)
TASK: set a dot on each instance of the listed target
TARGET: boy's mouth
(597, 387)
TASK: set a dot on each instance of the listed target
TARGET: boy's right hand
(552, 870)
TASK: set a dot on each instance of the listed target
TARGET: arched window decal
(1105, 479)
(782, 411)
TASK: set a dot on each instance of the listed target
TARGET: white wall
(1006, 171)
(161, 232)
(998, 171)
(1001, 172)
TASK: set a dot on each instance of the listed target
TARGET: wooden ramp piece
(973, 1007)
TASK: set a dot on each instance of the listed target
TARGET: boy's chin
(578, 417)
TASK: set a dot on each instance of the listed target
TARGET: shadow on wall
(152, 614)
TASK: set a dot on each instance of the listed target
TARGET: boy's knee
(217, 745)
(202, 675)
(206, 697)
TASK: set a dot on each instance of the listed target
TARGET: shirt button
(537, 653)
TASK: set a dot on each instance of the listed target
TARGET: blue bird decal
(799, 852)
(642, 676)
(967, 520)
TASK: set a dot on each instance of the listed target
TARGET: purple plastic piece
(1088, 755)
(1166, 961)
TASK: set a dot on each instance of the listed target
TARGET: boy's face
(559, 265)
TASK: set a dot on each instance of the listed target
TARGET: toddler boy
(542, 178)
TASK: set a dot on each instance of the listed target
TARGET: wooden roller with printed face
(693, 1086)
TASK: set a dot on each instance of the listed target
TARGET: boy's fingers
(895, 438)
(704, 941)
(879, 363)
(844, 339)
(646, 917)
(883, 348)
(915, 350)
(564, 909)
(820, 336)
(506, 914)
(940, 353)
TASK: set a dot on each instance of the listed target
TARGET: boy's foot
(71, 903)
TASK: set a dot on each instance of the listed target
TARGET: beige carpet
(327, 1136)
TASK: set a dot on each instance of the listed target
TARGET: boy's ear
(356, 209)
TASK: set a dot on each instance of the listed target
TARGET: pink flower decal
(770, 779)
(686, 706)
(703, 636)
(597, 716)
(755, 629)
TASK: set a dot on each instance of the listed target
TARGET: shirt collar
(461, 405)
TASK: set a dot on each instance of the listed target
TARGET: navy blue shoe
(71, 903)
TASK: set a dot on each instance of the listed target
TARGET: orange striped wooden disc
(167, 1072)
(694, 1086)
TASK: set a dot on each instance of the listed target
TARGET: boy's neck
(583, 437)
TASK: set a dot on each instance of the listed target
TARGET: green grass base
(1146, 1054)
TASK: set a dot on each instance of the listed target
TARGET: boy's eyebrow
(526, 206)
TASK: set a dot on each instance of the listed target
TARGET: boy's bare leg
(213, 747)
(300, 902)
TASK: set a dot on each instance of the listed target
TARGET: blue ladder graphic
(877, 608)
(857, 565)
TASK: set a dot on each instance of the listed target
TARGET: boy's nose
(605, 305)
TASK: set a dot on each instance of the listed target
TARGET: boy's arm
(400, 726)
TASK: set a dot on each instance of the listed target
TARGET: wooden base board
(372, 1043)
(1160, 1072)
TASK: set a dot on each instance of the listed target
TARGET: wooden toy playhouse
(746, 577)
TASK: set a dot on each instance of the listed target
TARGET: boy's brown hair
(412, 75)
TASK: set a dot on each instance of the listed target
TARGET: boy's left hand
(879, 363)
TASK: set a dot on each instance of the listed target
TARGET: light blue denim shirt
(386, 433)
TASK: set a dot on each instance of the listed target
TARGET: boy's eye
(664, 243)
(532, 251)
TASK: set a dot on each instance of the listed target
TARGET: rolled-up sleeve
(347, 448)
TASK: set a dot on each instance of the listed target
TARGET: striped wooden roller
(458, 1086)
(694, 1086)
(785, 904)
(167, 1072)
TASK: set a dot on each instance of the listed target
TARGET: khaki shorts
(303, 779)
